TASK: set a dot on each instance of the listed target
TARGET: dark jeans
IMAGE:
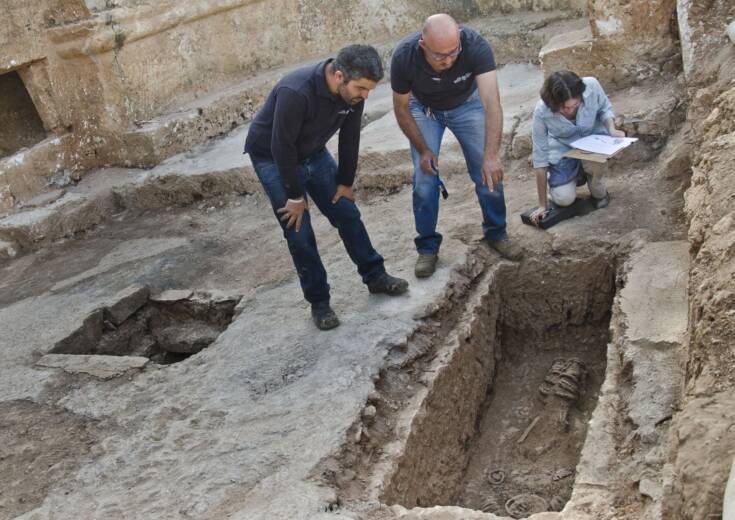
(317, 175)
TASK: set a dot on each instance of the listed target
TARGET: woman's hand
(538, 214)
(614, 132)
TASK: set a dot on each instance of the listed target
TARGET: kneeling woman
(570, 108)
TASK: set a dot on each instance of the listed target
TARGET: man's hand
(617, 133)
(343, 191)
(429, 161)
(538, 214)
(492, 172)
(293, 212)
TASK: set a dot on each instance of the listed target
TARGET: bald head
(440, 41)
(440, 29)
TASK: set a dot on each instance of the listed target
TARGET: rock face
(627, 42)
(702, 29)
(701, 451)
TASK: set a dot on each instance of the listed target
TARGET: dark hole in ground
(20, 124)
(540, 334)
(165, 331)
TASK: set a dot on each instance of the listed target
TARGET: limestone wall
(99, 70)
(156, 57)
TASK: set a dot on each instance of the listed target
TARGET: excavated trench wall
(527, 302)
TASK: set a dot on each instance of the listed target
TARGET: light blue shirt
(552, 133)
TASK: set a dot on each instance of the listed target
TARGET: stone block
(646, 110)
(127, 302)
(186, 338)
(103, 367)
(571, 51)
(522, 144)
(653, 308)
(654, 299)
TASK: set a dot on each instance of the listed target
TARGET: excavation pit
(167, 328)
(535, 422)
(495, 416)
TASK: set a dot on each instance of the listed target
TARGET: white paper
(603, 144)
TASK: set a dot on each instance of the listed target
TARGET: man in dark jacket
(286, 143)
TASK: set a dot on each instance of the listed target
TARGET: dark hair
(359, 61)
(560, 87)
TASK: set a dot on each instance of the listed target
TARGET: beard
(345, 95)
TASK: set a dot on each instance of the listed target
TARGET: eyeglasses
(436, 56)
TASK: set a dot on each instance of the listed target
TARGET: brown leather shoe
(425, 265)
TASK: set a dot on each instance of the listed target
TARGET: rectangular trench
(504, 417)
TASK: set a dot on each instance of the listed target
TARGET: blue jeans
(467, 123)
(318, 175)
(564, 171)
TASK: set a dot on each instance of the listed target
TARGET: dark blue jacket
(298, 118)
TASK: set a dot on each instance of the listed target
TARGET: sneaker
(387, 284)
(601, 203)
(426, 264)
(507, 249)
(323, 316)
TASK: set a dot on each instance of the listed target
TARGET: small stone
(650, 489)
(562, 473)
(172, 295)
(369, 412)
(557, 503)
(7, 250)
(731, 31)
(348, 475)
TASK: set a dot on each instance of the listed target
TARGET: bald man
(444, 77)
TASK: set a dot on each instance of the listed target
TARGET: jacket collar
(322, 89)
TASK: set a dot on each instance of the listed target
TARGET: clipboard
(588, 156)
(598, 157)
